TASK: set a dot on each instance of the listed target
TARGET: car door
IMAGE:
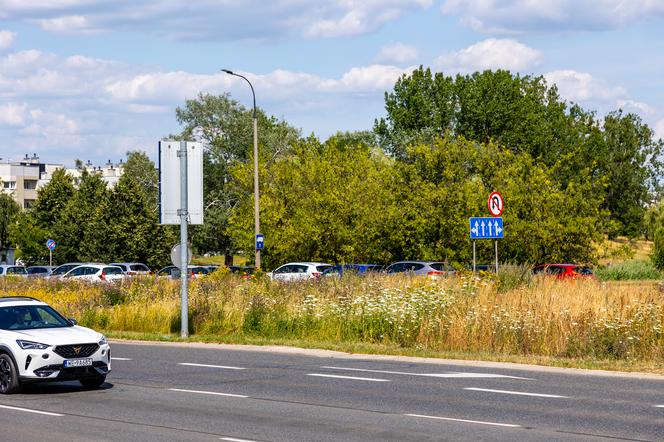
(283, 273)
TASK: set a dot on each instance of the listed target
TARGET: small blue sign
(50, 244)
(486, 228)
(260, 241)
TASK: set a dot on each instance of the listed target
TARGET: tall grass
(508, 314)
(629, 271)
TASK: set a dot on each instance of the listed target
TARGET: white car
(95, 273)
(9, 270)
(132, 268)
(298, 271)
(38, 344)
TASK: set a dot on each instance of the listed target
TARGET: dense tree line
(90, 222)
(402, 191)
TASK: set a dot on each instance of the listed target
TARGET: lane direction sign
(486, 228)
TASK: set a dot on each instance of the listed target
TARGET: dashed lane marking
(354, 378)
(433, 375)
(518, 393)
(27, 410)
(495, 424)
(226, 367)
(213, 393)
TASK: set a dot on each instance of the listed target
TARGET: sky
(94, 79)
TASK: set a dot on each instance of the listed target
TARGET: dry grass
(540, 319)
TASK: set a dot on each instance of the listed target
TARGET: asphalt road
(212, 393)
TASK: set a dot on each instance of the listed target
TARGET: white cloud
(659, 129)
(6, 39)
(639, 107)
(511, 16)
(583, 87)
(13, 114)
(397, 53)
(66, 24)
(213, 19)
(491, 54)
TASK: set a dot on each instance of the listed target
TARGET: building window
(29, 184)
(28, 203)
(9, 184)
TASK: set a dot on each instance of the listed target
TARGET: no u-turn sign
(496, 204)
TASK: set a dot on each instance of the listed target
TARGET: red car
(563, 271)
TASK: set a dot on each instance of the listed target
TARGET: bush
(628, 271)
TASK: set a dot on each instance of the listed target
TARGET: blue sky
(92, 79)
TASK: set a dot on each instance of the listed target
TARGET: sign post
(50, 244)
(488, 227)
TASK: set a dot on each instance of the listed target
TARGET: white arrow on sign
(476, 229)
(498, 228)
(483, 225)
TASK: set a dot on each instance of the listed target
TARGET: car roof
(10, 301)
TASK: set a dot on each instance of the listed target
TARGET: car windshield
(30, 317)
(64, 269)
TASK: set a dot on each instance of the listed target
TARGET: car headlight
(29, 345)
(102, 340)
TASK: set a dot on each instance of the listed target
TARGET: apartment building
(22, 179)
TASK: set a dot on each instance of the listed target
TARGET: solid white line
(189, 364)
(519, 393)
(113, 358)
(659, 406)
(431, 375)
(30, 411)
(232, 439)
(214, 393)
(496, 424)
(347, 377)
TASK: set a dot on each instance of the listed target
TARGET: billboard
(169, 182)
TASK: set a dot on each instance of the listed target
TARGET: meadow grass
(584, 323)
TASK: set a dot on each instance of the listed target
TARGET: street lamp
(257, 223)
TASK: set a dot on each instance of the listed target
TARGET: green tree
(141, 169)
(226, 129)
(9, 210)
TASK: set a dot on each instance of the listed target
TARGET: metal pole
(474, 260)
(496, 256)
(184, 255)
(257, 222)
(50, 258)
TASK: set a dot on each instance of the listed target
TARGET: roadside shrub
(629, 271)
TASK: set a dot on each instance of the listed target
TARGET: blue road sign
(260, 241)
(50, 244)
(486, 228)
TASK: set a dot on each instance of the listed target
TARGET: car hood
(60, 335)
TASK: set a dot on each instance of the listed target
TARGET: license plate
(77, 363)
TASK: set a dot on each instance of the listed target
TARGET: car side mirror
(72, 321)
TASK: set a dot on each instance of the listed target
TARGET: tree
(226, 129)
(141, 169)
(9, 210)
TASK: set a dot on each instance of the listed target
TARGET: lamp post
(257, 223)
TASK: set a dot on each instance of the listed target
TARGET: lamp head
(228, 71)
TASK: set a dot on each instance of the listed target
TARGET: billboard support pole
(184, 258)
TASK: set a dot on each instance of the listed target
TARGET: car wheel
(97, 381)
(8, 375)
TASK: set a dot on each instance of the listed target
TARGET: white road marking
(214, 393)
(113, 358)
(432, 375)
(355, 378)
(659, 406)
(519, 393)
(227, 367)
(27, 410)
(496, 424)
(232, 439)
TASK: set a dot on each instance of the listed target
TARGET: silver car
(431, 269)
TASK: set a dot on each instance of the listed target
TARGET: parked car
(483, 268)
(60, 270)
(40, 345)
(132, 268)
(12, 270)
(95, 273)
(298, 271)
(354, 269)
(564, 271)
(245, 271)
(174, 272)
(431, 269)
(39, 271)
